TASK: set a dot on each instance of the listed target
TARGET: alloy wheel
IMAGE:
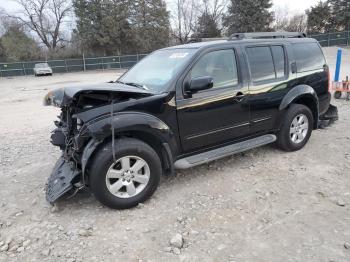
(299, 128)
(128, 176)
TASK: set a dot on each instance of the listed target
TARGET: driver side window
(220, 65)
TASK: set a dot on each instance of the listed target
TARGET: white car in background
(42, 69)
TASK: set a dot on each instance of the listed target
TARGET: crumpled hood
(64, 96)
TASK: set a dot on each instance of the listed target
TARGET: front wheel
(296, 128)
(131, 179)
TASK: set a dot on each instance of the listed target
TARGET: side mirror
(199, 83)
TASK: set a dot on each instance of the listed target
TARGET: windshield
(42, 65)
(155, 71)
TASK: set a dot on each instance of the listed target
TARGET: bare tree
(285, 22)
(184, 19)
(2, 21)
(297, 23)
(281, 18)
(45, 19)
(185, 15)
(215, 8)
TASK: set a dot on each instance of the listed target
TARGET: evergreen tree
(320, 18)
(150, 24)
(103, 27)
(248, 16)
(3, 56)
(341, 13)
(207, 27)
(15, 45)
(109, 27)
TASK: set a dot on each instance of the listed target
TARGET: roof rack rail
(205, 39)
(240, 36)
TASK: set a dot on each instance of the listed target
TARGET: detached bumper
(329, 117)
(60, 181)
(331, 114)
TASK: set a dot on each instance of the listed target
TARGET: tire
(103, 167)
(337, 94)
(293, 137)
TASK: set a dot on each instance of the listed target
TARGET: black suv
(186, 105)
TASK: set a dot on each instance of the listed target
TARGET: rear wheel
(296, 128)
(129, 180)
(337, 94)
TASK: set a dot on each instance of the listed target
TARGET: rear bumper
(329, 117)
(61, 179)
(330, 114)
(43, 73)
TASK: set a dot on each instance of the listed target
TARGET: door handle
(294, 67)
(239, 97)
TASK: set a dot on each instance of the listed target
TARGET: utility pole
(84, 61)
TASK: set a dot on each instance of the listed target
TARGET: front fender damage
(73, 133)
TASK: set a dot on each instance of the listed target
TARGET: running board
(218, 153)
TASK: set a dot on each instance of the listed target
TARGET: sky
(293, 5)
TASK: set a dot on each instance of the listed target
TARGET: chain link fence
(72, 65)
(333, 39)
(127, 61)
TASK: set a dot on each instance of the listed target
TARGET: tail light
(326, 68)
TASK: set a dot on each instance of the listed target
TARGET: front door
(217, 115)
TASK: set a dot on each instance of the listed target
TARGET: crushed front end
(67, 172)
(80, 106)
(72, 137)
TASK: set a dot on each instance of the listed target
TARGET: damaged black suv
(186, 105)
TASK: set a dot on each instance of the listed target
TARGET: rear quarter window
(308, 56)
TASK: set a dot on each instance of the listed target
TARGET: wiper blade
(137, 85)
(133, 84)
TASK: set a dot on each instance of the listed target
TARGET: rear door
(269, 72)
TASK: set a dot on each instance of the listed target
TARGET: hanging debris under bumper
(329, 117)
(60, 181)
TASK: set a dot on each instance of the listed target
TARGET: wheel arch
(144, 127)
(160, 146)
(304, 95)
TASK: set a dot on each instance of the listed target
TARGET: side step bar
(218, 153)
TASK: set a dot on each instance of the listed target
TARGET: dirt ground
(263, 205)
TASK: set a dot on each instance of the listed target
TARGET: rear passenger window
(308, 56)
(261, 63)
(266, 63)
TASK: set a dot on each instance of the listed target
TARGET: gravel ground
(263, 205)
